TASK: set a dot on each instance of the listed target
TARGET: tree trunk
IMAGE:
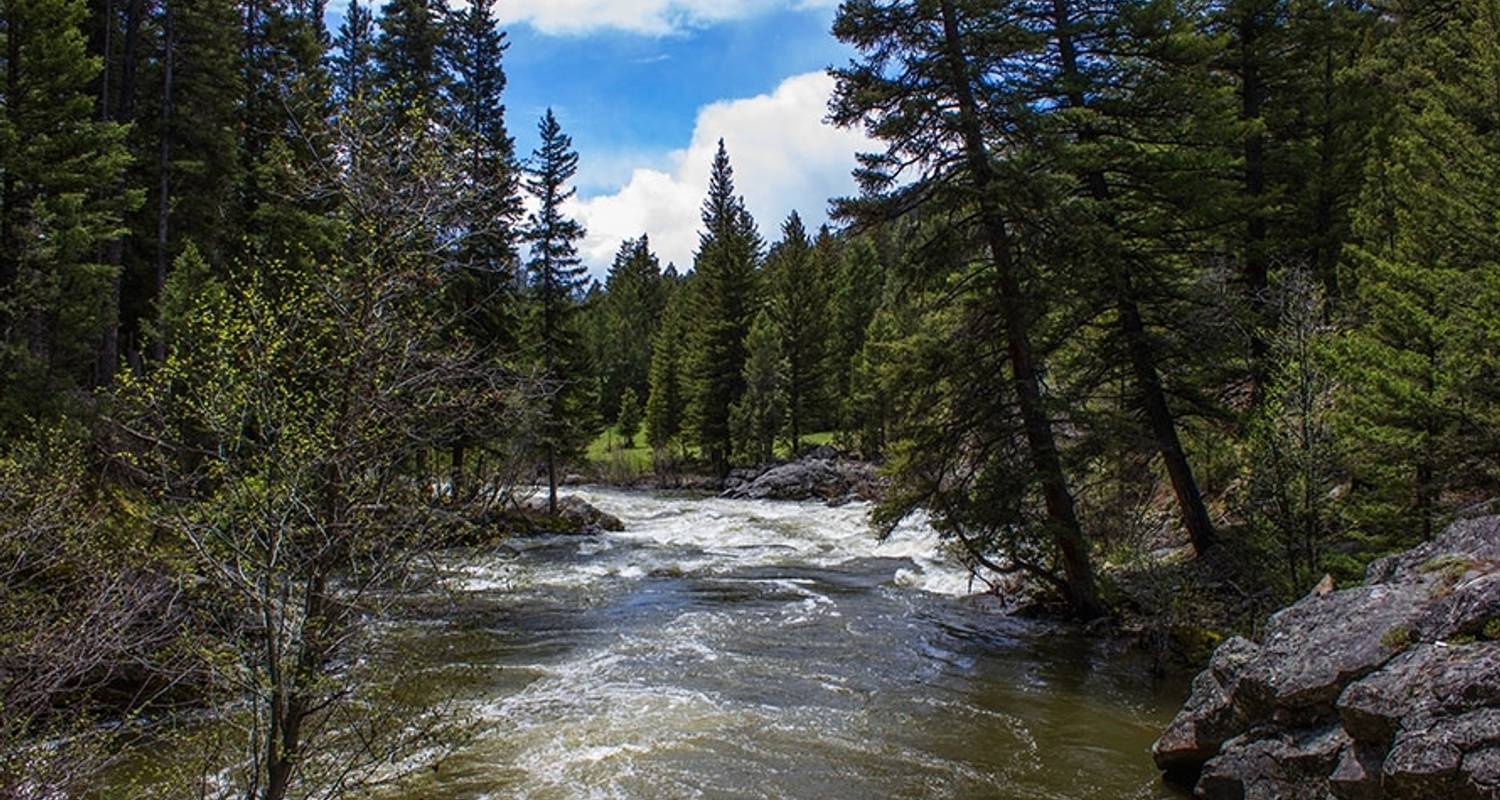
(10, 201)
(118, 106)
(1163, 425)
(551, 481)
(164, 169)
(1046, 460)
(456, 472)
(1257, 270)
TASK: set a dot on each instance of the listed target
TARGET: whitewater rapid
(744, 649)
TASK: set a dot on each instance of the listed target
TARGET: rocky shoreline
(1388, 690)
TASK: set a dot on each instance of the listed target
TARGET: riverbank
(1390, 689)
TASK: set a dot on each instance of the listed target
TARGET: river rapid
(740, 649)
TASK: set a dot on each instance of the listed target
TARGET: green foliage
(634, 300)
(629, 417)
(1417, 413)
(556, 275)
(59, 202)
(1398, 638)
(666, 405)
(756, 420)
(725, 300)
(797, 298)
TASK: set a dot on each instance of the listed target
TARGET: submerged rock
(1385, 691)
(822, 474)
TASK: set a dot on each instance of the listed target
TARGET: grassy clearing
(608, 450)
(609, 455)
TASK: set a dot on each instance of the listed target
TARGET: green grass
(818, 439)
(608, 448)
(609, 453)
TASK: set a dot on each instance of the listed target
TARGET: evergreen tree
(629, 420)
(854, 298)
(556, 276)
(757, 418)
(486, 254)
(352, 59)
(409, 71)
(60, 168)
(632, 310)
(937, 107)
(797, 298)
(667, 401)
(1416, 422)
(725, 304)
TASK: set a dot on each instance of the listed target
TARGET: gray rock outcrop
(1385, 691)
(822, 474)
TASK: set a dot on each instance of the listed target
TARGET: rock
(821, 475)
(1357, 776)
(1382, 691)
(1210, 717)
(574, 516)
(1279, 766)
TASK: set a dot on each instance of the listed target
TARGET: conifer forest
(1150, 336)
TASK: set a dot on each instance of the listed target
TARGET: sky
(646, 88)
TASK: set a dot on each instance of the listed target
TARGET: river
(726, 649)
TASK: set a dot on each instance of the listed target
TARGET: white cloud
(650, 17)
(785, 158)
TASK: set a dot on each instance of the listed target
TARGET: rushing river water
(724, 649)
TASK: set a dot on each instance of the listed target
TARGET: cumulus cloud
(649, 17)
(785, 158)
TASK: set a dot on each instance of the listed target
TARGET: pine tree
(725, 296)
(797, 298)
(352, 61)
(629, 418)
(556, 276)
(855, 296)
(409, 72)
(667, 401)
(1418, 369)
(60, 168)
(937, 110)
(486, 254)
(632, 310)
(757, 418)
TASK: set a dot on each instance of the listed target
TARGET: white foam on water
(723, 535)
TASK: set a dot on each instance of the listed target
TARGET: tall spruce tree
(758, 417)
(666, 403)
(1418, 407)
(556, 276)
(797, 298)
(409, 72)
(725, 295)
(60, 168)
(927, 86)
(635, 298)
(352, 57)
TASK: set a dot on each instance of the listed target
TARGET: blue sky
(647, 87)
(629, 99)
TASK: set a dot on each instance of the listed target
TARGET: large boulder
(822, 474)
(1385, 691)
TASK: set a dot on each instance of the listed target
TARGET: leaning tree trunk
(1066, 531)
(1143, 360)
